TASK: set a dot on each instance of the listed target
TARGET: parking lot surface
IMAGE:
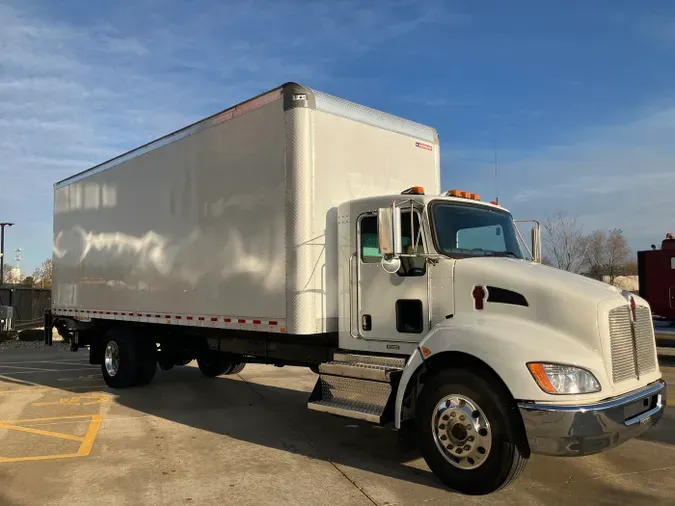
(65, 439)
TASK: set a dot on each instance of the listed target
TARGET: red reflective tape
(149, 315)
(179, 317)
(167, 316)
(189, 317)
(201, 318)
(228, 320)
(157, 316)
(256, 322)
(214, 319)
(241, 321)
(124, 314)
(272, 322)
(114, 314)
(107, 312)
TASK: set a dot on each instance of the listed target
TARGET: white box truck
(297, 228)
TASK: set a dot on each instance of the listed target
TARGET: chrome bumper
(586, 429)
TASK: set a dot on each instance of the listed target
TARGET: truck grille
(631, 356)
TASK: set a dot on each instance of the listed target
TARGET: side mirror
(535, 238)
(389, 231)
(391, 264)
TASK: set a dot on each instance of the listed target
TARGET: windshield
(465, 230)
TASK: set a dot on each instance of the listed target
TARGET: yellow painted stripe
(26, 420)
(90, 436)
(40, 432)
(38, 457)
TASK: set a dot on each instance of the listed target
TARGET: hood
(559, 299)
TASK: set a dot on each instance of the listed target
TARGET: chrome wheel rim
(461, 431)
(112, 358)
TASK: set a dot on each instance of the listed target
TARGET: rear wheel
(470, 436)
(213, 363)
(148, 362)
(120, 360)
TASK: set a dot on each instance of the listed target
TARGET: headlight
(563, 379)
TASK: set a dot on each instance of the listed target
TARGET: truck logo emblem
(422, 145)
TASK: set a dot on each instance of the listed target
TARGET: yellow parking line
(40, 432)
(90, 436)
(86, 442)
(28, 420)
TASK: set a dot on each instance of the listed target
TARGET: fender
(506, 344)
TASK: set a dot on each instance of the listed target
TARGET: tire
(487, 452)
(213, 364)
(148, 363)
(121, 360)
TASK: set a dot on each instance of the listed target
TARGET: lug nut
(469, 426)
(462, 418)
(453, 414)
(444, 437)
(441, 426)
(446, 418)
(458, 451)
(470, 438)
(467, 447)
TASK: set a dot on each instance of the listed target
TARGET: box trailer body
(298, 228)
(232, 222)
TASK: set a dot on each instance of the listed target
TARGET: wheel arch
(418, 372)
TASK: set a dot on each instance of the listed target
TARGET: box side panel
(353, 159)
(194, 227)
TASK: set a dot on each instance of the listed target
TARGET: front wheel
(470, 436)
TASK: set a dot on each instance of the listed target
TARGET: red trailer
(656, 272)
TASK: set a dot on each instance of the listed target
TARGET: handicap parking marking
(86, 441)
(78, 400)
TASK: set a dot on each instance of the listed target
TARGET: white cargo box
(231, 222)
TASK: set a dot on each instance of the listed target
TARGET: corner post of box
(300, 298)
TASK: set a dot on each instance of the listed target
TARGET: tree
(565, 243)
(7, 273)
(28, 281)
(44, 274)
(607, 254)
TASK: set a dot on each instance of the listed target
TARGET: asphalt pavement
(65, 439)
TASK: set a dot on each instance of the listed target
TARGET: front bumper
(586, 429)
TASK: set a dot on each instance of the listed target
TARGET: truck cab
(449, 321)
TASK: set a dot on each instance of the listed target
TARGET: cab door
(392, 307)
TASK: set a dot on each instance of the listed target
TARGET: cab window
(370, 252)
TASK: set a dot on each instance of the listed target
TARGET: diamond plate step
(360, 371)
(394, 362)
(352, 397)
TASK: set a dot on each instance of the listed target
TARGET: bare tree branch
(565, 243)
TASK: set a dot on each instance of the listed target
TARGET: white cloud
(619, 175)
(73, 95)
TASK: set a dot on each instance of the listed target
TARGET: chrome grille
(644, 339)
(624, 357)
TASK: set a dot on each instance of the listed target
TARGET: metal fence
(29, 305)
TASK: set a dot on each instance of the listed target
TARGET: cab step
(357, 386)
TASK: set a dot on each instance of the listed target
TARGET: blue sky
(579, 96)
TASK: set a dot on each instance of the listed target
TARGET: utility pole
(2, 250)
